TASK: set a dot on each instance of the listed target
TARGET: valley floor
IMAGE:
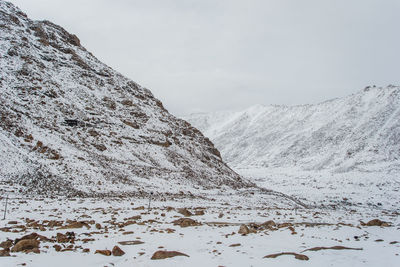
(209, 237)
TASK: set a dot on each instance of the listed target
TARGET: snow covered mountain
(358, 132)
(72, 125)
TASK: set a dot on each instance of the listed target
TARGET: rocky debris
(130, 243)
(116, 251)
(185, 212)
(5, 252)
(235, 245)
(68, 237)
(333, 248)
(105, 252)
(33, 236)
(375, 222)
(6, 244)
(160, 255)
(244, 230)
(199, 212)
(297, 256)
(269, 225)
(186, 222)
(57, 247)
(26, 245)
(75, 225)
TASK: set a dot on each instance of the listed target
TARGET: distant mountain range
(71, 125)
(358, 132)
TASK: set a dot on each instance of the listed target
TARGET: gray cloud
(218, 54)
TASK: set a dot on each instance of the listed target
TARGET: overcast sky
(207, 55)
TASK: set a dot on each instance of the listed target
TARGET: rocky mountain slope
(358, 132)
(72, 125)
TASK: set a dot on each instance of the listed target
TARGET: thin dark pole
(5, 208)
(150, 195)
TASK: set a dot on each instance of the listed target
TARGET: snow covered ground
(353, 189)
(214, 242)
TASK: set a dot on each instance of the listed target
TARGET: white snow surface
(124, 140)
(358, 132)
(342, 152)
(209, 244)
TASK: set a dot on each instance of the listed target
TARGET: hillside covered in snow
(360, 132)
(72, 125)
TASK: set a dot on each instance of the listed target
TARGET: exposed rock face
(72, 125)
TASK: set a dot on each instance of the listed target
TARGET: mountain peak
(72, 125)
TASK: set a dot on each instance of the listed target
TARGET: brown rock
(333, 248)
(199, 212)
(26, 244)
(186, 222)
(57, 247)
(235, 245)
(244, 230)
(297, 256)
(75, 225)
(85, 250)
(6, 244)
(116, 251)
(130, 243)
(98, 226)
(185, 212)
(5, 253)
(160, 255)
(376, 222)
(269, 224)
(65, 238)
(103, 252)
(33, 236)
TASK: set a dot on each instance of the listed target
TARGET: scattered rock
(269, 224)
(116, 251)
(5, 253)
(186, 222)
(185, 212)
(6, 244)
(75, 225)
(130, 243)
(244, 230)
(199, 212)
(68, 237)
(160, 255)
(334, 248)
(26, 244)
(376, 222)
(235, 245)
(297, 256)
(57, 247)
(105, 252)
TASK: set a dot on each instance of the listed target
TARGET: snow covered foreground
(212, 239)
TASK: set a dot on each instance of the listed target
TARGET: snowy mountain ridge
(72, 125)
(361, 131)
